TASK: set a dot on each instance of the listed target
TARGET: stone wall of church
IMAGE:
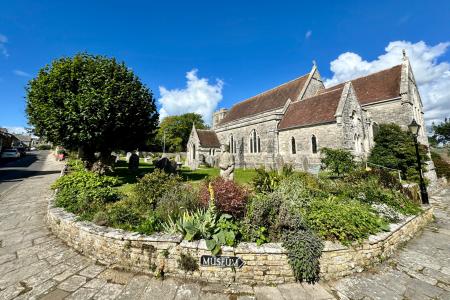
(327, 135)
(315, 85)
(265, 127)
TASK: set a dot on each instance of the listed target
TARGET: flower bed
(296, 211)
(168, 255)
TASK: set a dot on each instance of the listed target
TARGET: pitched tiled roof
(266, 101)
(378, 86)
(208, 138)
(311, 111)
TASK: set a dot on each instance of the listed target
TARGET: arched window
(193, 151)
(293, 147)
(255, 142)
(232, 144)
(314, 144)
(357, 144)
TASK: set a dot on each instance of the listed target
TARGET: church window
(293, 146)
(193, 151)
(314, 144)
(255, 142)
(232, 144)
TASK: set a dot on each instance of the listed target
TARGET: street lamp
(414, 128)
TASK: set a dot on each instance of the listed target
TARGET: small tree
(91, 104)
(338, 161)
(394, 148)
(442, 131)
(177, 129)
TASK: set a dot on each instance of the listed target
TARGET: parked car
(10, 153)
(22, 151)
(33, 149)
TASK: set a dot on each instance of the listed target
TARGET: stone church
(292, 122)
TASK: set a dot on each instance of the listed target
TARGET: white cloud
(15, 129)
(21, 73)
(3, 41)
(308, 34)
(199, 97)
(432, 76)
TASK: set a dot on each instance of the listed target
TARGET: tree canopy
(442, 131)
(338, 161)
(91, 102)
(177, 130)
(395, 149)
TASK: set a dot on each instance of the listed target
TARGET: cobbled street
(34, 264)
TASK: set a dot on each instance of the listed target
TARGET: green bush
(338, 161)
(152, 187)
(343, 220)
(304, 252)
(123, 214)
(175, 201)
(267, 181)
(44, 147)
(83, 179)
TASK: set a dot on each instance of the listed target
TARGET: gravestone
(133, 162)
(166, 165)
(127, 158)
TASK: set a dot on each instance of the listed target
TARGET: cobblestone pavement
(421, 270)
(34, 264)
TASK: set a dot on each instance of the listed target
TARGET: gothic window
(255, 142)
(293, 147)
(314, 144)
(232, 144)
(193, 151)
(357, 144)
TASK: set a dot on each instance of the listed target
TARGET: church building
(290, 123)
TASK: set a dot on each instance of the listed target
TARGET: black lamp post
(414, 129)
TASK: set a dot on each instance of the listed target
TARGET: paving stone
(116, 276)
(72, 283)
(161, 290)
(267, 293)
(92, 271)
(82, 294)
(187, 291)
(38, 290)
(293, 291)
(96, 283)
(109, 291)
(135, 288)
(56, 294)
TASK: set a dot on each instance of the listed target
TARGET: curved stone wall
(161, 254)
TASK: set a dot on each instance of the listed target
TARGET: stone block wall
(266, 264)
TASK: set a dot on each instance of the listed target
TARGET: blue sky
(240, 48)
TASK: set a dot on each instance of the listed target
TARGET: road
(14, 172)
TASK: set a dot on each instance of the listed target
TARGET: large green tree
(442, 131)
(394, 148)
(176, 130)
(91, 103)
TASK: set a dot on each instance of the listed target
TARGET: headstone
(127, 158)
(166, 165)
(133, 162)
(226, 164)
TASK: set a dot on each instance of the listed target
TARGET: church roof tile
(311, 111)
(208, 138)
(266, 101)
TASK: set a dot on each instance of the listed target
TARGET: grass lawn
(243, 176)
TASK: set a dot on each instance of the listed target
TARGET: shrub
(442, 167)
(267, 181)
(338, 161)
(343, 220)
(229, 197)
(44, 147)
(124, 215)
(304, 252)
(152, 187)
(83, 179)
(175, 201)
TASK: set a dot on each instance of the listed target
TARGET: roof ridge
(269, 90)
(398, 65)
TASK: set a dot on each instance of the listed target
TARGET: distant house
(7, 139)
(24, 141)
